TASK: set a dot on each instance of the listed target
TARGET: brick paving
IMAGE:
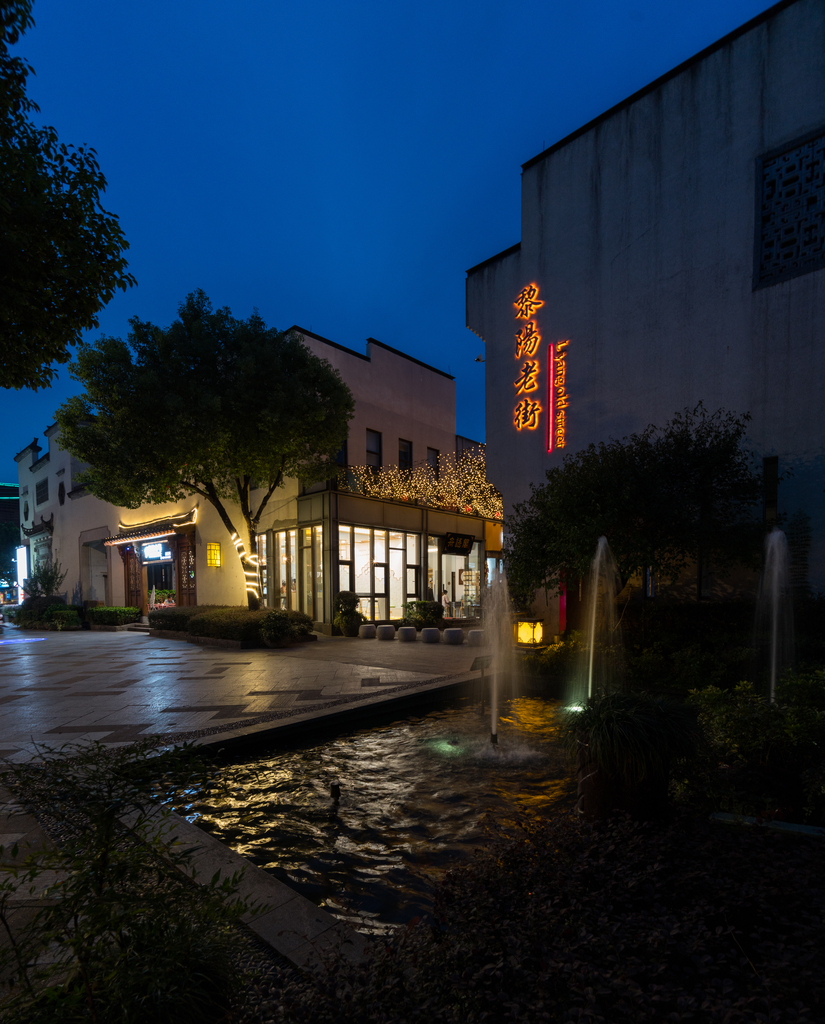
(58, 688)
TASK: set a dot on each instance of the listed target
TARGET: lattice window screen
(790, 228)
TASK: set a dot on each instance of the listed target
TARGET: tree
(214, 406)
(664, 498)
(61, 252)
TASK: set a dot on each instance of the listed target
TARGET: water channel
(414, 793)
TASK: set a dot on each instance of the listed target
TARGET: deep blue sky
(337, 165)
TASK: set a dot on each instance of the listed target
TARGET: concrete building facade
(673, 251)
(313, 541)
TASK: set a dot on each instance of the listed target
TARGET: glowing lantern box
(528, 632)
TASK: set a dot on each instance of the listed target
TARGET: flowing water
(413, 798)
(774, 611)
(603, 664)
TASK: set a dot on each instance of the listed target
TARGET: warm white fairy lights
(461, 484)
(251, 576)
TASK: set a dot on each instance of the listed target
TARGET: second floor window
(41, 492)
(432, 460)
(404, 454)
(374, 449)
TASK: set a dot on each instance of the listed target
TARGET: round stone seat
(475, 638)
(454, 636)
(431, 635)
(385, 632)
(406, 633)
(367, 631)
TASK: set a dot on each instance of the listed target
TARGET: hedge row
(101, 615)
(270, 626)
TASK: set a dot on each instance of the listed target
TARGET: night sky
(336, 165)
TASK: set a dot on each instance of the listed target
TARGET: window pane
(380, 608)
(412, 589)
(412, 549)
(405, 460)
(345, 543)
(365, 606)
(261, 543)
(380, 546)
(318, 570)
(362, 562)
(373, 448)
(396, 540)
(397, 587)
(306, 578)
(343, 576)
(380, 574)
(432, 460)
(292, 566)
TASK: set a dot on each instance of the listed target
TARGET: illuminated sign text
(557, 398)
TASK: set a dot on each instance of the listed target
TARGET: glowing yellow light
(528, 340)
(528, 301)
(526, 415)
(529, 631)
(213, 554)
(528, 381)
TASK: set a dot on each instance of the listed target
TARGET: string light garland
(460, 484)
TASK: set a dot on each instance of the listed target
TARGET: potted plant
(624, 744)
(347, 618)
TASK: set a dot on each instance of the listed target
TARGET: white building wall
(639, 231)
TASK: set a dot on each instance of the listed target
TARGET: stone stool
(385, 632)
(367, 631)
(431, 635)
(406, 633)
(475, 638)
(454, 636)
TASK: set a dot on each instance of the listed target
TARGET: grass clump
(122, 935)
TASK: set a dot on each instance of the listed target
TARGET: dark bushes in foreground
(623, 923)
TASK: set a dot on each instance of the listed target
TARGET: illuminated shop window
(213, 554)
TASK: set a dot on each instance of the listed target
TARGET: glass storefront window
(260, 542)
(292, 564)
(318, 570)
(461, 577)
(306, 571)
(382, 567)
(433, 592)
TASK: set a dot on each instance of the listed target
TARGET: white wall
(640, 233)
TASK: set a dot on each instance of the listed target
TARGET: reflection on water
(412, 797)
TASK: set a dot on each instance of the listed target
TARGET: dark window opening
(41, 492)
(374, 449)
(432, 460)
(404, 454)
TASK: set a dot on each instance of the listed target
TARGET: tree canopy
(61, 252)
(665, 498)
(223, 408)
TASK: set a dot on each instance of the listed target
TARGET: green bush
(422, 614)
(557, 662)
(347, 619)
(177, 620)
(762, 757)
(276, 628)
(65, 619)
(130, 939)
(302, 624)
(59, 609)
(229, 624)
(112, 616)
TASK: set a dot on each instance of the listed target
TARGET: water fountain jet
(774, 629)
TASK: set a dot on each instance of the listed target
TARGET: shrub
(44, 579)
(633, 734)
(302, 624)
(761, 757)
(347, 619)
(65, 618)
(422, 614)
(557, 662)
(112, 616)
(276, 628)
(130, 938)
(177, 620)
(229, 624)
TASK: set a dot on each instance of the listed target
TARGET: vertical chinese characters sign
(528, 410)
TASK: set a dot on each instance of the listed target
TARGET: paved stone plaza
(58, 688)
